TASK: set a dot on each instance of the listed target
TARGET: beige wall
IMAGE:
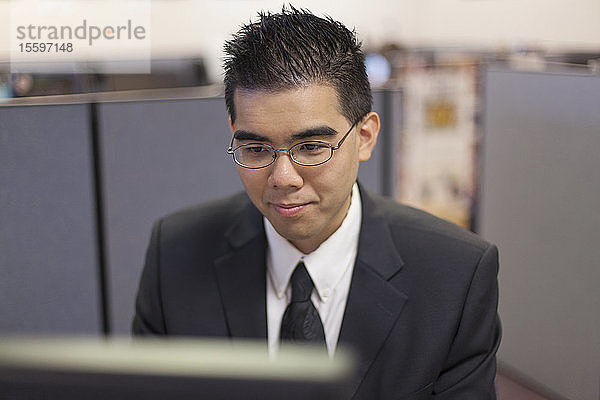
(199, 27)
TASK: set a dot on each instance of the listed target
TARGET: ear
(231, 125)
(367, 135)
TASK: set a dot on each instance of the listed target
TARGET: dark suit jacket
(421, 309)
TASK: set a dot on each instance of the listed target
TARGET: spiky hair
(295, 48)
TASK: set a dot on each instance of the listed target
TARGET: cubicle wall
(540, 203)
(157, 157)
(48, 253)
(151, 158)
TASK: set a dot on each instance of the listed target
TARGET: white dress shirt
(330, 267)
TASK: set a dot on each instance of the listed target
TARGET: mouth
(289, 210)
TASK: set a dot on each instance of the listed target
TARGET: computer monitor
(173, 369)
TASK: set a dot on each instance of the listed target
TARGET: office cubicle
(48, 243)
(540, 203)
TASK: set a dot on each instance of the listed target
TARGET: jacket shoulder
(410, 224)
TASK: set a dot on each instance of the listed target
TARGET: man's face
(305, 204)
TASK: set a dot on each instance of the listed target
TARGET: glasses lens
(254, 155)
(311, 153)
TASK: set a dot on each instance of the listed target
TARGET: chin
(293, 233)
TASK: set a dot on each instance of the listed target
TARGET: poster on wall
(436, 168)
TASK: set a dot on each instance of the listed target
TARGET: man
(414, 295)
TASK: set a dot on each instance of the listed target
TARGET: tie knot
(301, 283)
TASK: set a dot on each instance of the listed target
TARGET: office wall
(199, 27)
(540, 203)
(547, 24)
(48, 269)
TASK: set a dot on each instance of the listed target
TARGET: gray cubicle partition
(540, 203)
(157, 157)
(48, 269)
(377, 174)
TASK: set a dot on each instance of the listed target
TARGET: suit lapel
(373, 304)
(241, 276)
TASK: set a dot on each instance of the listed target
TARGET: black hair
(295, 48)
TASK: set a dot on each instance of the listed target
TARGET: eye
(311, 147)
(254, 149)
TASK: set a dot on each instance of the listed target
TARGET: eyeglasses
(309, 153)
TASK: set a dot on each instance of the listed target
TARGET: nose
(283, 172)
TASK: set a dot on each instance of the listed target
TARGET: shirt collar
(327, 264)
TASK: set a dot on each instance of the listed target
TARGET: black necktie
(301, 322)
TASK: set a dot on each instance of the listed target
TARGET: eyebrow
(314, 132)
(305, 134)
(247, 135)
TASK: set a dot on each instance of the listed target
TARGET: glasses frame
(231, 150)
